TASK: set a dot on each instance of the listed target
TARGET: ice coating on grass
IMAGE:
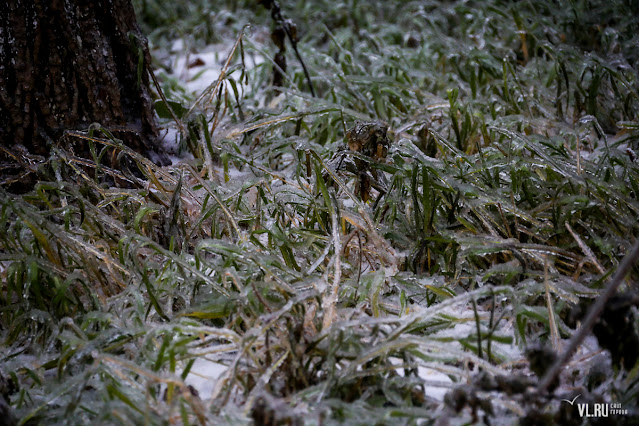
(196, 70)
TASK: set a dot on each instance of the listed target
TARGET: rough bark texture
(65, 64)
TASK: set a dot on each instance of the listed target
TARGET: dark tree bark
(65, 64)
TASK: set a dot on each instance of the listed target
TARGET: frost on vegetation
(386, 250)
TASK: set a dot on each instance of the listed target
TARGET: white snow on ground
(436, 383)
(204, 375)
(170, 140)
(197, 70)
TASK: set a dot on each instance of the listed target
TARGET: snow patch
(204, 375)
(197, 70)
(436, 383)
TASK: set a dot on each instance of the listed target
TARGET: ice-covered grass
(249, 281)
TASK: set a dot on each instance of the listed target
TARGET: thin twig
(592, 317)
(552, 324)
(261, 299)
(299, 58)
(478, 324)
(179, 122)
(276, 14)
(585, 249)
(214, 87)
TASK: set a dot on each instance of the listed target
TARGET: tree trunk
(65, 64)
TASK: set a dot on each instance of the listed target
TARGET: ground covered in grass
(412, 244)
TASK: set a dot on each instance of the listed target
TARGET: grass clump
(330, 281)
